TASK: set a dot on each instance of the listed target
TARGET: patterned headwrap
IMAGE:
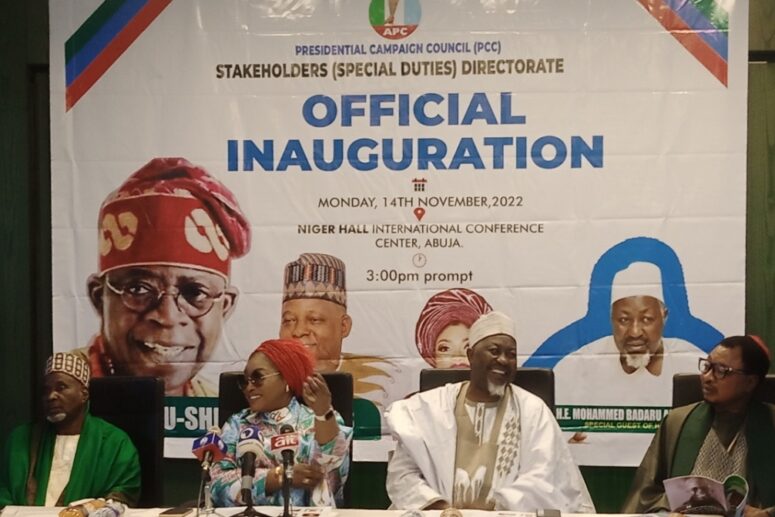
(171, 212)
(292, 359)
(442, 310)
(315, 275)
(71, 364)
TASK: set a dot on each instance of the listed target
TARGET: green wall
(25, 320)
(25, 307)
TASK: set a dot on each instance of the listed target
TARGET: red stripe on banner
(687, 37)
(113, 51)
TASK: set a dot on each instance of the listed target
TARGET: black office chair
(231, 400)
(136, 405)
(538, 381)
(687, 389)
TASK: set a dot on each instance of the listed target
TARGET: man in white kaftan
(483, 444)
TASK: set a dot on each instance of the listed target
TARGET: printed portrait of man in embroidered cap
(166, 240)
(314, 311)
(314, 308)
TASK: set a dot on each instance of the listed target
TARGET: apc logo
(394, 19)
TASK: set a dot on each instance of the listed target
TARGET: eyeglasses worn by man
(729, 432)
(167, 236)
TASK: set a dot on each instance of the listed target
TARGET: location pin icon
(419, 213)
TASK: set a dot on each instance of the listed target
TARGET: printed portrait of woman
(441, 334)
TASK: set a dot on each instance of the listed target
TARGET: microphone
(286, 444)
(248, 448)
(209, 448)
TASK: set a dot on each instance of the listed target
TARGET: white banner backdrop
(538, 157)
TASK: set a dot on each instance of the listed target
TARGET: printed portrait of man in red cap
(166, 240)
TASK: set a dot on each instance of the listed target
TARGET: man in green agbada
(73, 455)
(728, 433)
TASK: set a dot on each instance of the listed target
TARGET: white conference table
(274, 511)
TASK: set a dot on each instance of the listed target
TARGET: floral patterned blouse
(334, 456)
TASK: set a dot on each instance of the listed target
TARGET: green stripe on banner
(90, 27)
(377, 12)
(714, 13)
(610, 419)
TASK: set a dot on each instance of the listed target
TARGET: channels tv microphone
(248, 448)
(209, 448)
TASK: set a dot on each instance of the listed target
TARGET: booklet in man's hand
(703, 495)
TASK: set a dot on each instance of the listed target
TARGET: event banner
(370, 177)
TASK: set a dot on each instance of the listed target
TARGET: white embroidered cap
(71, 364)
(491, 324)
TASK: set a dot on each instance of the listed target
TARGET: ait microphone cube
(282, 442)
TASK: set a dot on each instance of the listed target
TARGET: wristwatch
(327, 416)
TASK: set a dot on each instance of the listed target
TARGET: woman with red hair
(442, 328)
(277, 374)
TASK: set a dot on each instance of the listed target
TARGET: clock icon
(419, 259)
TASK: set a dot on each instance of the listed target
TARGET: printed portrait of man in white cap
(636, 356)
(638, 317)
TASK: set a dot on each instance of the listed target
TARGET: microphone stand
(287, 477)
(248, 475)
(249, 511)
(205, 490)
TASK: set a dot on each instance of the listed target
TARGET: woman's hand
(316, 394)
(307, 476)
(317, 397)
